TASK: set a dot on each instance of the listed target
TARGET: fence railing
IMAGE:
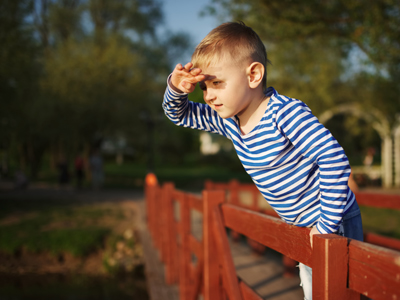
(248, 196)
(342, 268)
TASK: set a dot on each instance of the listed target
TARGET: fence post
(170, 238)
(149, 192)
(208, 184)
(254, 196)
(162, 221)
(185, 283)
(330, 268)
(157, 219)
(234, 191)
(151, 185)
(212, 279)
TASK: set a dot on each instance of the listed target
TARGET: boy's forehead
(221, 68)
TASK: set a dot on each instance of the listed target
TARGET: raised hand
(184, 79)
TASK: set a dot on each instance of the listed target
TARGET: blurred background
(81, 123)
(82, 78)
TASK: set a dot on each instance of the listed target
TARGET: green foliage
(328, 53)
(381, 221)
(75, 72)
(51, 227)
(187, 175)
(28, 235)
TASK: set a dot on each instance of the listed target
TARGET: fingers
(195, 71)
(179, 67)
(188, 68)
(313, 231)
(186, 77)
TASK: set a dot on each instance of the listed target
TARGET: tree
(329, 52)
(19, 72)
(75, 71)
(346, 27)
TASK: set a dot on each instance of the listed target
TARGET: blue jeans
(351, 227)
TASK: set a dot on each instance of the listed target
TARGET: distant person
(96, 169)
(79, 166)
(369, 157)
(298, 166)
(63, 172)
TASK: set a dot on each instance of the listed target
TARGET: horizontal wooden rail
(372, 199)
(374, 271)
(390, 201)
(291, 241)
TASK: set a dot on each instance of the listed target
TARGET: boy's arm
(315, 142)
(185, 113)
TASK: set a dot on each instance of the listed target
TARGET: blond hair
(233, 38)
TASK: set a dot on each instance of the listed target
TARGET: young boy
(295, 162)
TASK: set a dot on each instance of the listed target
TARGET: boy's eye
(216, 82)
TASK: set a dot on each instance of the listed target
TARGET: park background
(79, 77)
(83, 75)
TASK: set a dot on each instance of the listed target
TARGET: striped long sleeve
(185, 113)
(295, 162)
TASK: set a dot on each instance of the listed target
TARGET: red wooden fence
(342, 268)
(234, 189)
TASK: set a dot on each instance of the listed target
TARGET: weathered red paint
(374, 271)
(329, 263)
(341, 271)
(212, 282)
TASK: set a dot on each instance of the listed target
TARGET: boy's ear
(255, 73)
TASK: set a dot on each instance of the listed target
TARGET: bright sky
(184, 15)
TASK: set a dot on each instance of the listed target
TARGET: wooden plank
(212, 283)
(171, 243)
(382, 241)
(185, 285)
(195, 246)
(269, 212)
(329, 277)
(178, 195)
(374, 271)
(225, 257)
(272, 232)
(163, 227)
(234, 192)
(197, 279)
(247, 292)
(391, 201)
(154, 270)
(195, 202)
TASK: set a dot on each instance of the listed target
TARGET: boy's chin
(224, 116)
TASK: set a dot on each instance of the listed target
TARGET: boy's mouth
(217, 106)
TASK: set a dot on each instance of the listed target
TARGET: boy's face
(226, 88)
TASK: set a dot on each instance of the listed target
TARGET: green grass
(53, 226)
(381, 221)
(77, 241)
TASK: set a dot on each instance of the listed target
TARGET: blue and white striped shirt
(295, 162)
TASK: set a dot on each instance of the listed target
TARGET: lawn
(72, 245)
(382, 221)
(54, 226)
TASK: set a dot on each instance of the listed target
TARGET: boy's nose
(209, 97)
